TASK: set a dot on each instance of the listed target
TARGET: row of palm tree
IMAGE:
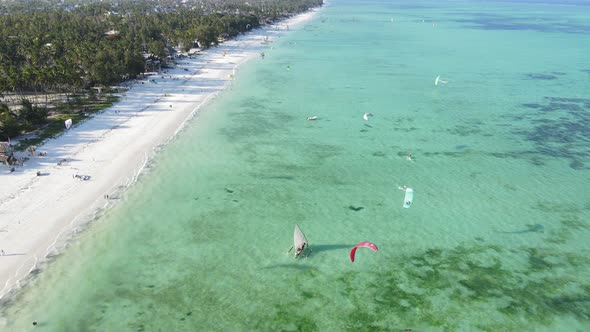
(63, 46)
(61, 50)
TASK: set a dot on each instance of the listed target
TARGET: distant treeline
(64, 46)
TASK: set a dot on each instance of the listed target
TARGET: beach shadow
(326, 247)
(59, 161)
(530, 228)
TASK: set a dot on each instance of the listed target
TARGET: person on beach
(2, 252)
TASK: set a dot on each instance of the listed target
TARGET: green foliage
(60, 48)
(104, 70)
(54, 47)
(206, 35)
(134, 63)
(9, 126)
(32, 115)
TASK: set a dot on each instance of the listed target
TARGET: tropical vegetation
(67, 47)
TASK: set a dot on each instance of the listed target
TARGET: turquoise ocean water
(497, 237)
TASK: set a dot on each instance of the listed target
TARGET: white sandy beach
(39, 213)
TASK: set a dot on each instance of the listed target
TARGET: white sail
(299, 241)
(68, 123)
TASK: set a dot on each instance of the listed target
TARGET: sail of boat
(299, 241)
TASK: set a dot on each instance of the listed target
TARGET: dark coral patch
(560, 129)
(544, 77)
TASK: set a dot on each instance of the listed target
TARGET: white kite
(409, 197)
(438, 80)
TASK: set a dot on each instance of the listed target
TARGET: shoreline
(40, 214)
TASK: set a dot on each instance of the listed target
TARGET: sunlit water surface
(497, 236)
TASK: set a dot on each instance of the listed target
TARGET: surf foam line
(60, 243)
(53, 249)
